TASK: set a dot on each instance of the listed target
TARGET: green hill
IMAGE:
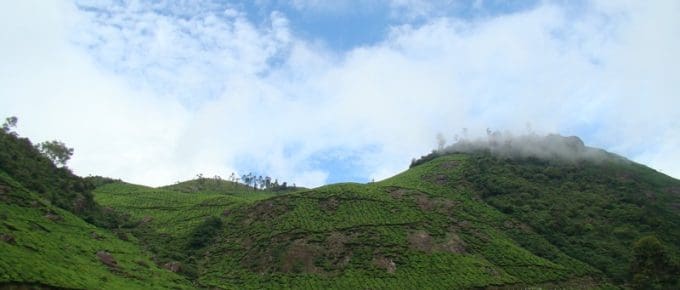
(419, 229)
(43, 244)
(547, 213)
(220, 186)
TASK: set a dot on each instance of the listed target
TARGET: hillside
(43, 244)
(419, 229)
(457, 220)
(550, 213)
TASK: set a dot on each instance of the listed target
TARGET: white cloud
(158, 97)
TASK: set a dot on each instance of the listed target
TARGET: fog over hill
(553, 147)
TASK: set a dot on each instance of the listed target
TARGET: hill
(506, 213)
(45, 240)
(220, 186)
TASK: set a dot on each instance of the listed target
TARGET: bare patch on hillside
(450, 164)
(266, 210)
(299, 257)
(438, 179)
(337, 250)
(452, 244)
(330, 204)
(173, 266)
(398, 193)
(422, 241)
(385, 263)
(107, 259)
(427, 203)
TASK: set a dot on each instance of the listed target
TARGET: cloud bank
(158, 92)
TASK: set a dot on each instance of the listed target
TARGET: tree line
(254, 181)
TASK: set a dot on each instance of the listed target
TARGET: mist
(551, 147)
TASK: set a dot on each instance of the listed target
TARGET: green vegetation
(45, 245)
(652, 268)
(461, 217)
(592, 211)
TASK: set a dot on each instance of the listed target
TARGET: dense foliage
(594, 211)
(21, 160)
(652, 268)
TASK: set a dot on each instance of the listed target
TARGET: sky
(315, 92)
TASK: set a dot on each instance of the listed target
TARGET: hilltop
(505, 213)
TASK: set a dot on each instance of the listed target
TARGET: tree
(260, 182)
(56, 151)
(652, 268)
(267, 182)
(10, 122)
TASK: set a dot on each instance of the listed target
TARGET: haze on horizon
(316, 92)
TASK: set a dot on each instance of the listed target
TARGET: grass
(167, 211)
(61, 252)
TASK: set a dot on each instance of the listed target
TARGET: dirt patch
(173, 266)
(398, 193)
(107, 259)
(53, 217)
(386, 264)
(464, 224)
(442, 205)
(424, 203)
(335, 243)
(337, 251)
(329, 204)
(450, 164)
(267, 210)
(452, 244)
(420, 241)
(299, 257)
(146, 220)
(439, 179)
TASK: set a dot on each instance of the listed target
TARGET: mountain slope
(45, 240)
(545, 212)
(46, 245)
(418, 229)
(593, 211)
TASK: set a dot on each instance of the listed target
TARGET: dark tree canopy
(651, 267)
(10, 122)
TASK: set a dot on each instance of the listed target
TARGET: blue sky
(317, 92)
